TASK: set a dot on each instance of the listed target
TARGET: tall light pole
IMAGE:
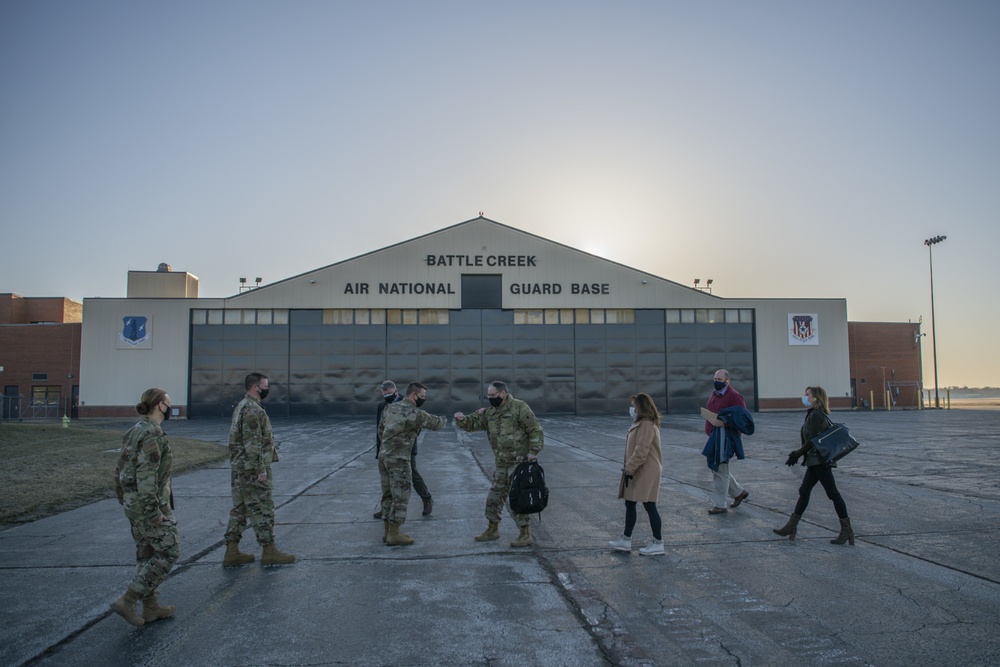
(930, 256)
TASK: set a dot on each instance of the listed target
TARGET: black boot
(846, 532)
(789, 528)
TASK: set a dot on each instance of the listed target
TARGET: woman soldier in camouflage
(142, 481)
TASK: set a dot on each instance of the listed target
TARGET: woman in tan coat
(640, 481)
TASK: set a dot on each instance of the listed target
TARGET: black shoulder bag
(834, 443)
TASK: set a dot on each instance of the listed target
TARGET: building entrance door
(11, 402)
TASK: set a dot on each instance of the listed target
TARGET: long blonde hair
(821, 398)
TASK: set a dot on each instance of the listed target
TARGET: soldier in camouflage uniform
(251, 451)
(142, 482)
(401, 424)
(390, 395)
(515, 435)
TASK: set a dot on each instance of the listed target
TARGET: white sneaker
(655, 548)
(621, 544)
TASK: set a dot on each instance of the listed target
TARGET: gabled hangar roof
(426, 272)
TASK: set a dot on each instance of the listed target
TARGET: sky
(785, 149)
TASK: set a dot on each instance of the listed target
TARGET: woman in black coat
(817, 420)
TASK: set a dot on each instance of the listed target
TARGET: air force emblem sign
(134, 331)
(803, 329)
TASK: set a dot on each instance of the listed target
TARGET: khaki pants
(724, 484)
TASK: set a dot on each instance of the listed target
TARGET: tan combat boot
(524, 538)
(153, 611)
(491, 533)
(385, 530)
(396, 538)
(125, 607)
(274, 557)
(234, 556)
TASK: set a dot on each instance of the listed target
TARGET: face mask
(419, 402)
(806, 401)
(388, 397)
(263, 393)
(719, 386)
(166, 415)
(495, 401)
(631, 412)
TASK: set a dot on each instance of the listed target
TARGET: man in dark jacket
(391, 395)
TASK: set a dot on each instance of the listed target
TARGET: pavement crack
(735, 656)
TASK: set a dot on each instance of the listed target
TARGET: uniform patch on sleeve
(152, 451)
(253, 422)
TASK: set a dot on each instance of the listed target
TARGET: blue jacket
(723, 443)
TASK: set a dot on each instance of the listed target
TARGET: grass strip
(46, 469)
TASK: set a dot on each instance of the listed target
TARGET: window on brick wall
(46, 394)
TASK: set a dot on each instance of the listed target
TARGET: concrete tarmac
(920, 587)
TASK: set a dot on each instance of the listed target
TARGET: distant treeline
(985, 392)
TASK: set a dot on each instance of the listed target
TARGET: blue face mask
(806, 401)
(631, 412)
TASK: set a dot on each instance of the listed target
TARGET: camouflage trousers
(417, 479)
(157, 548)
(498, 495)
(396, 483)
(251, 500)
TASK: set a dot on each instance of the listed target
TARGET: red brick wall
(892, 345)
(40, 348)
(11, 309)
(15, 309)
(52, 309)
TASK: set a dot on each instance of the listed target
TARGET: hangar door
(330, 362)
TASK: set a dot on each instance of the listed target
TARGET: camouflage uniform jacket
(142, 475)
(251, 441)
(401, 424)
(378, 420)
(512, 429)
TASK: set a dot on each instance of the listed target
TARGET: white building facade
(569, 332)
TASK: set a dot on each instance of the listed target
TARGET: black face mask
(263, 393)
(419, 402)
(389, 398)
(495, 401)
(166, 415)
(719, 386)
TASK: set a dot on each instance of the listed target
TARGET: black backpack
(528, 493)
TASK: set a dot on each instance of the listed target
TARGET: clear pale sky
(784, 149)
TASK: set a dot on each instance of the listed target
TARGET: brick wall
(11, 309)
(892, 346)
(40, 348)
(16, 309)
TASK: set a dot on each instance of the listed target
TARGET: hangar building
(570, 332)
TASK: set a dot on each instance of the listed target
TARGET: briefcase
(834, 443)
